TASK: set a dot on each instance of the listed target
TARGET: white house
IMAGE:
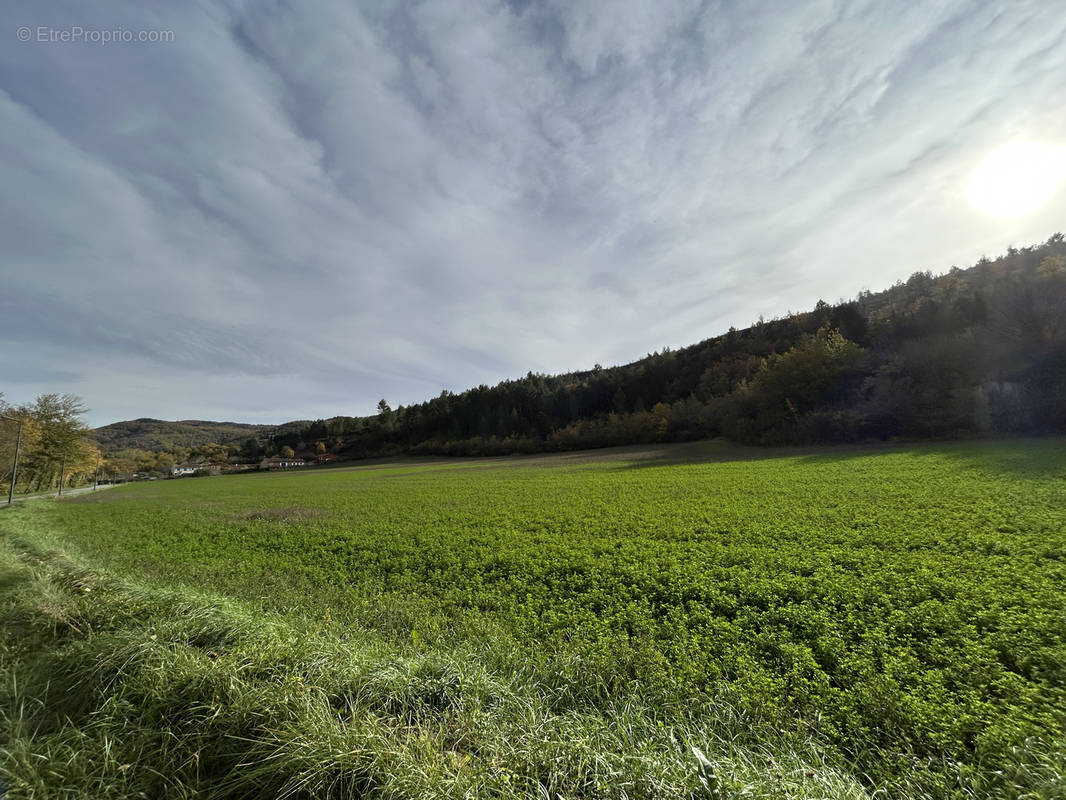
(280, 462)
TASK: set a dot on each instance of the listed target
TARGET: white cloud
(292, 210)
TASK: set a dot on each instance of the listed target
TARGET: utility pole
(15, 466)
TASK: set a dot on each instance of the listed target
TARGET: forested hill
(161, 435)
(968, 351)
(978, 350)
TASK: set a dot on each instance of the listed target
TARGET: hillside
(978, 350)
(157, 434)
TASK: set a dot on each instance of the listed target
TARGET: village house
(280, 462)
(193, 467)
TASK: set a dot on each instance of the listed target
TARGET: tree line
(978, 350)
(970, 351)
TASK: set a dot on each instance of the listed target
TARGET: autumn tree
(212, 452)
(55, 440)
(9, 435)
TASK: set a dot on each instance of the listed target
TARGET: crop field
(841, 623)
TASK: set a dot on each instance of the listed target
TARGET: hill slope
(157, 434)
(969, 351)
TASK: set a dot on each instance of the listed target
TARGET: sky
(263, 211)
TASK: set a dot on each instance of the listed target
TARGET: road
(66, 493)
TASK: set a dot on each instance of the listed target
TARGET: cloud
(292, 210)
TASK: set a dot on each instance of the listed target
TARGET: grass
(830, 624)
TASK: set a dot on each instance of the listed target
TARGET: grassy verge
(114, 688)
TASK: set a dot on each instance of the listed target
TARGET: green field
(822, 624)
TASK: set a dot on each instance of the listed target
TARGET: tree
(320, 448)
(17, 427)
(1051, 266)
(251, 449)
(287, 452)
(386, 416)
(55, 441)
(797, 382)
(212, 452)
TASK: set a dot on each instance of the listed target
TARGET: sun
(1017, 179)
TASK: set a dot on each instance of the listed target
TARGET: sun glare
(1017, 178)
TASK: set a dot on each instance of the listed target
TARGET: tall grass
(119, 689)
(114, 688)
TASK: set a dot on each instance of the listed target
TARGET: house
(325, 458)
(194, 467)
(280, 462)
